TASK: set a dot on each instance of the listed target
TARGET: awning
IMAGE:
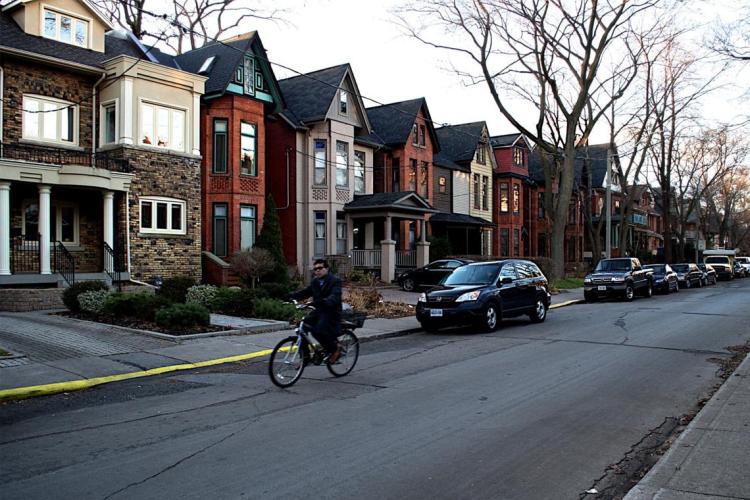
(458, 220)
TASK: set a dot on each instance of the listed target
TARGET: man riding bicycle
(325, 321)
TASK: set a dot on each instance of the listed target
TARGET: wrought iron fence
(60, 156)
(65, 263)
(24, 254)
(114, 264)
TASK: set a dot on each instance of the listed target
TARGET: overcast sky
(391, 67)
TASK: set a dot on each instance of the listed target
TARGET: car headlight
(587, 280)
(618, 278)
(422, 297)
(469, 296)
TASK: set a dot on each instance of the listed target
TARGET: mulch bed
(140, 324)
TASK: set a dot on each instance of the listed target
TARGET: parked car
(709, 274)
(688, 275)
(739, 270)
(429, 275)
(745, 262)
(483, 293)
(665, 279)
(623, 277)
(722, 265)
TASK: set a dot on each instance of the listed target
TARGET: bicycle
(291, 355)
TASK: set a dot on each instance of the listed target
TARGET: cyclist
(325, 321)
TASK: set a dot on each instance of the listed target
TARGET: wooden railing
(366, 258)
(406, 258)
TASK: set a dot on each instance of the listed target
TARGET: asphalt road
(530, 411)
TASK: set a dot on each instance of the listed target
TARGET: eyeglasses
(317, 268)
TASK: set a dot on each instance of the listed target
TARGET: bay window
(162, 126)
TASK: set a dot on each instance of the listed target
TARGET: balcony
(60, 156)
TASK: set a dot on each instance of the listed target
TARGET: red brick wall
(280, 139)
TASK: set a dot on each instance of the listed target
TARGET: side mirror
(506, 280)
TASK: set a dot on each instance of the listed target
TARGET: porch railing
(406, 258)
(60, 156)
(114, 264)
(24, 254)
(366, 258)
(65, 263)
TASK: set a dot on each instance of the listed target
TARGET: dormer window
(206, 65)
(517, 157)
(65, 28)
(343, 102)
(481, 154)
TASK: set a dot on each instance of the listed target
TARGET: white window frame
(154, 200)
(102, 122)
(58, 220)
(58, 15)
(155, 126)
(60, 112)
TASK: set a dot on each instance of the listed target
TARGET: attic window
(65, 28)
(343, 102)
(206, 65)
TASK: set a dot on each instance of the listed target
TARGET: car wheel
(539, 314)
(687, 283)
(408, 285)
(649, 291)
(700, 283)
(629, 292)
(491, 318)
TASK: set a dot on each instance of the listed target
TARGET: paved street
(530, 411)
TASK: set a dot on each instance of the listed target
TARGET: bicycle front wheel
(286, 363)
(349, 355)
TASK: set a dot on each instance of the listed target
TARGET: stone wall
(28, 299)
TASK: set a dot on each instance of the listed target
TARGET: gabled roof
(392, 123)
(507, 140)
(89, 5)
(402, 200)
(309, 96)
(594, 156)
(441, 160)
(459, 142)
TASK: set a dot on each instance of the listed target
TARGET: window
(340, 233)
(504, 243)
(516, 242)
(321, 159)
(540, 205)
(414, 135)
(206, 65)
(108, 119)
(220, 229)
(517, 157)
(342, 164)
(395, 175)
(421, 135)
(344, 102)
(359, 171)
(504, 198)
(162, 215)
(65, 28)
(423, 187)
(413, 175)
(481, 154)
(249, 72)
(320, 234)
(259, 81)
(162, 127)
(442, 184)
(238, 73)
(516, 198)
(248, 226)
(63, 222)
(476, 191)
(220, 146)
(248, 143)
(485, 192)
(49, 120)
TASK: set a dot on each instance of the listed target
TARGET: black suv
(483, 293)
(623, 277)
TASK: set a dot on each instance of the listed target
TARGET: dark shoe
(335, 356)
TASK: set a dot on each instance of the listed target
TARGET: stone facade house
(100, 154)
(241, 91)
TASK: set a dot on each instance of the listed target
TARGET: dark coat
(327, 302)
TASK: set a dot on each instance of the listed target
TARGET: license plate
(602, 288)
(436, 313)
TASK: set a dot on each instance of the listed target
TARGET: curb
(567, 303)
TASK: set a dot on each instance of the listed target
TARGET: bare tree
(251, 264)
(190, 23)
(732, 39)
(558, 56)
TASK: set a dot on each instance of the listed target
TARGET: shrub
(182, 315)
(93, 302)
(235, 301)
(275, 290)
(273, 309)
(142, 305)
(251, 264)
(358, 276)
(70, 295)
(203, 295)
(270, 238)
(364, 299)
(440, 247)
(174, 289)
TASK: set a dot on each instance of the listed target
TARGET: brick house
(99, 167)
(241, 91)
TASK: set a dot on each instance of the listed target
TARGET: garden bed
(139, 324)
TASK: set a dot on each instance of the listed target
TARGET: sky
(390, 66)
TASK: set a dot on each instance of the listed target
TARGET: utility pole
(608, 208)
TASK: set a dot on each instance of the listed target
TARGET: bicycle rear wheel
(286, 363)
(349, 355)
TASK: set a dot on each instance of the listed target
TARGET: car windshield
(657, 268)
(482, 274)
(613, 265)
(717, 260)
(680, 268)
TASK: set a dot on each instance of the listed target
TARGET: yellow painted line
(566, 303)
(76, 385)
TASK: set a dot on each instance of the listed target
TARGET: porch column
(4, 228)
(423, 246)
(44, 229)
(109, 227)
(388, 254)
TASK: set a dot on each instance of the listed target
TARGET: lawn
(568, 283)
